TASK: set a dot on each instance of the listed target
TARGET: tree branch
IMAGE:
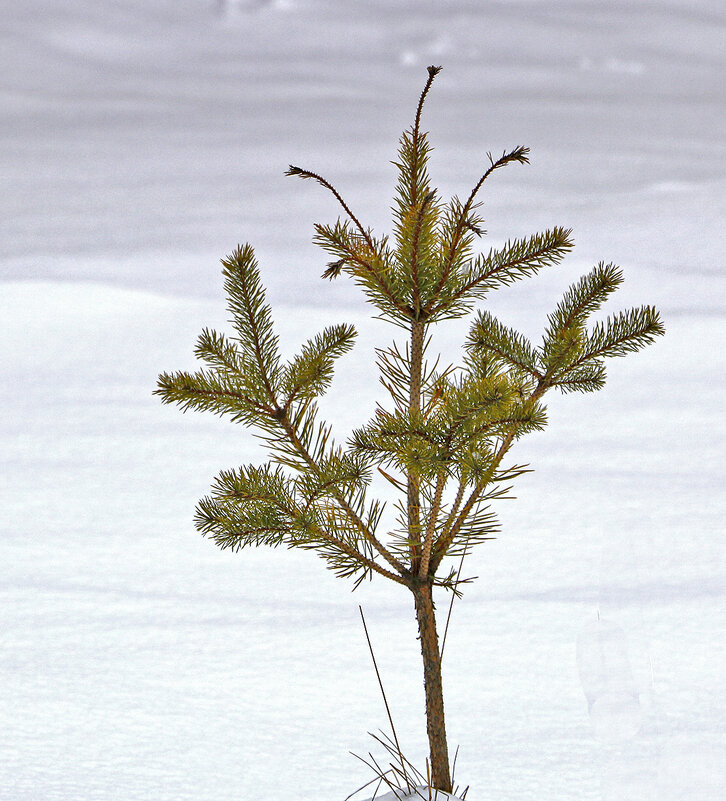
(257, 345)
(414, 407)
(352, 255)
(433, 72)
(433, 515)
(523, 260)
(416, 294)
(340, 499)
(319, 178)
(518, 154)
(443, 542)
(358, 556)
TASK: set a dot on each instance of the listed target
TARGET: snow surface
(420, 793)
(140, 141)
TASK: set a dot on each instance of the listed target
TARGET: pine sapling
(442, 439)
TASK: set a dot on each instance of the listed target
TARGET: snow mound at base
(420, 794)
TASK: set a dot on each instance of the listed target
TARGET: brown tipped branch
(433, 72)
(334, 269)
(520, 155)
(301, 173)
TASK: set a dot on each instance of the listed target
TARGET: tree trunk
(414, 407)
(435, 722)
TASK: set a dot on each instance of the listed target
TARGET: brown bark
(422, 593)
(435, 720)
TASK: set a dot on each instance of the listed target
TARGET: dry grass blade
(380, 776)
(392, 749)
(367, 784)
(383, 692)
(400, 777)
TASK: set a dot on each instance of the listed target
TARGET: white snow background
(140, 141)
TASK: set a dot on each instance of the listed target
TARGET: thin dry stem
(383, 692)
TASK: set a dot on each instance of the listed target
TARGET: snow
(140, 142)
(419, 793)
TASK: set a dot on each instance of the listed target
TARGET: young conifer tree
(443, 438)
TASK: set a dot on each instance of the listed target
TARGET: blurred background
(139, 143)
